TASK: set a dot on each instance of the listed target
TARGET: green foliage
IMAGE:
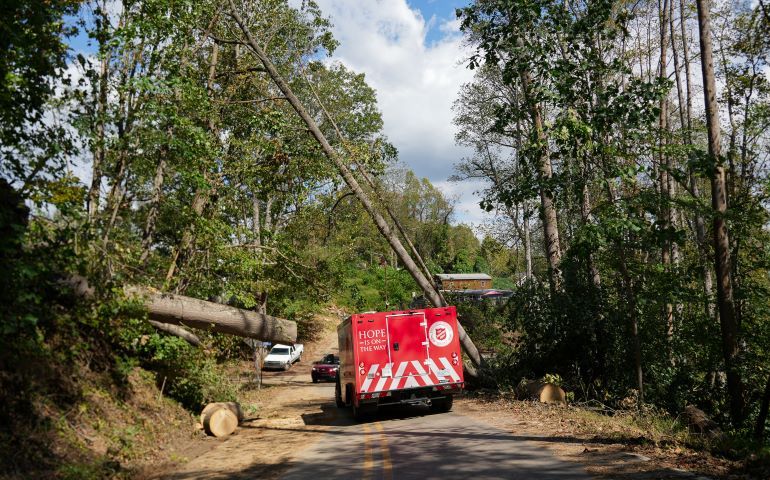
(552, 378)
(634, 243)
(376, 287)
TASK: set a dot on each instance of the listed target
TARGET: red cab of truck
(400, 357)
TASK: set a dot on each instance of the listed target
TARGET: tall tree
(722, 261)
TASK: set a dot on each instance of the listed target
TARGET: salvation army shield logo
(441, 334)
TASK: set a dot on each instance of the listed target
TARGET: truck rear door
(407, 349)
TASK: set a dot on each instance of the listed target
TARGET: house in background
(463, 281)
(464, 287)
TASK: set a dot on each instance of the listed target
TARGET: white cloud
(467, 208)
(416, 82)
(451, 26)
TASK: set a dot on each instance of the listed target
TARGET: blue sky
(413, 54)
(442, 10)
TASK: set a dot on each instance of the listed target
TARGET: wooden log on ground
(220, 422)
(234, 407)
(178, 331)
(551, 393)
(192, 312)
(539, 390)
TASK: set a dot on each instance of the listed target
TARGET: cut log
(234, 407)
(551, 393)
(538, 390)
(220, 422)
(178, 331)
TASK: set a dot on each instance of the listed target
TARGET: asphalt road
(413, 443)
(300, 434)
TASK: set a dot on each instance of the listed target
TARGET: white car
(283, 356)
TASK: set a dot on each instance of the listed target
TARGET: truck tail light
(361, 365)
(361, 371)
(454, 361)
(454, 354)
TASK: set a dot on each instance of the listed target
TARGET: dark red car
(326, 368)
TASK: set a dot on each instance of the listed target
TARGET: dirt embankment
(102, 428)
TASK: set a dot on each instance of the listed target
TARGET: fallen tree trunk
(424, 283)
(192, 312)
(178, 331)
(177, 310)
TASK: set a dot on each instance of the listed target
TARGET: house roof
(463, 276)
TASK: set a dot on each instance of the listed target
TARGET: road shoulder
(605, 451)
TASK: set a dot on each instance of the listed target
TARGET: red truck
(400, 357)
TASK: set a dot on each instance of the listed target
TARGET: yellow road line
(387, 466)
(368, 462)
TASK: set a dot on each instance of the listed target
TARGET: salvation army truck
(401, 357)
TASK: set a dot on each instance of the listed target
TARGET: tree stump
(220, 422)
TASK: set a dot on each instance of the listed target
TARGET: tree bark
(152, 214)
(759, 429)
(115, 198)
(349, 178)
(177, 331)
(171, 309)
(180, 310)
(700, 224)
(585, 212)
(722, 262)
(545, 174)
(100, 147)
(269, 215)
(527, 244)
(255, 227)
(664, 162)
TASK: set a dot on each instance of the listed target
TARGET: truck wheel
(442, 405)
(338, 394)
(363, 411)
(315, 380)
(286, 366)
